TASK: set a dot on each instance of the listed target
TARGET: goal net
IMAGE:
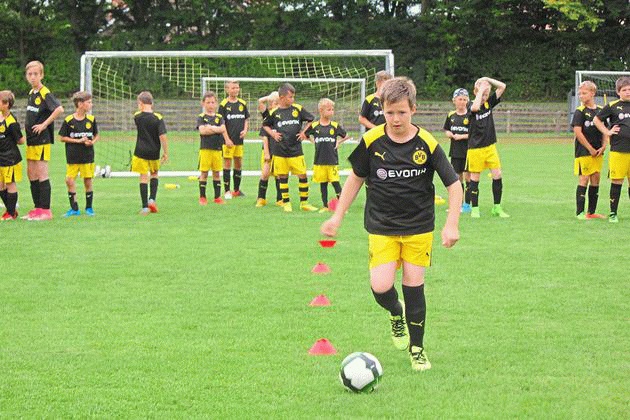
(178, 80)
(605, 81)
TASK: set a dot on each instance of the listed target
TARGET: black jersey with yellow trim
(235, 115)
(481, 131)
(288, 122)
(10, 134)
(211, 141)
(41, 104)
(325, 137)
(77, 153)
(583, 117)
(399, 178)
(373, 110)
(150, 127)
(618, 113)
(457, 124)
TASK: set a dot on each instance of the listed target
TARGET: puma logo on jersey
(382, 156)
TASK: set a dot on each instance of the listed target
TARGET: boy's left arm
(498, 85)
(164, 143)
(245, 129)
(39, 128)
(450, 232)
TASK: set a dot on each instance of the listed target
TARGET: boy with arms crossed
(79, 131)
(41, 111)
(234, 111)
(146, 156)
(482, 149)
(10, 157)
(213, 134)
(456, 129)
(397, 162)
(618, 114)
(589, 151)
(327, 136)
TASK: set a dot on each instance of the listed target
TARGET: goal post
(605, 81)
(176, 80)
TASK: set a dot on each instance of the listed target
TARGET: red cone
(327, 243)
(320, 300)
(332, 204)
(320, 268)
(322, 347)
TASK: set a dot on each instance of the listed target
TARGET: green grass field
(199, 312)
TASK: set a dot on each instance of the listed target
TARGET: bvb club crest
(465, 121)
(2, 128)
(88, 125)
(294, 113)
(332, 131)
(216, 120)
(38, 101)
(240, 108)
(419, 157)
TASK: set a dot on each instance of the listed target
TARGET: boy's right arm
(497, 84)
(349, 192)
(164, 143)
(476, 105)
(579, 135)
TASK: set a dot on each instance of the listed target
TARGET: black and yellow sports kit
(10, 160)
(585, 164)
(372, 110)
(146, 156)
(618, 113)
(271, 143)
(458, 124)
(235, 114)
(210, 154)
(326, 162)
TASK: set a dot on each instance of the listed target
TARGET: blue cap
(460, 92)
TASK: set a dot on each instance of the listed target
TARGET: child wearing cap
(456, 129)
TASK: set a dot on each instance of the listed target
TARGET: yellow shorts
(210, 160)
(415, 249)
(144, 166)
(41, 152)
(230, 152)
(284, 165)
(587, 165)
(325, 173)
(85, 169)
(619, 165)
(9, 174)
(484, 158)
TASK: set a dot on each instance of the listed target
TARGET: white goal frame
(579, 78)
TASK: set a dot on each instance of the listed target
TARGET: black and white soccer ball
(360, 372)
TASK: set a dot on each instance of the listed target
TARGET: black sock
(303, 187)
(474, 193)
(144, 191)
(467, 193)
(44, 194)
(389, 301)
(12, 199)
(580, 199)
(593, 195)
(217, 188)
(278, 192)
(337, 186)
(284, 189)
(35, 193)
(262, 189)
(72, 197)
(323, 186)
(237, 179)
(202, 188)
(3, 196)
(226, 179)
(153, 188)
(615, 194)
(497, 190)
(415, 313)
(89, 198)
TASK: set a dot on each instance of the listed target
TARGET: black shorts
(459, 164)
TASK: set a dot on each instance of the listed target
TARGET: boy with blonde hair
(397, 161)
(41, 111)
(79, 131)
(211, 127)
(371, 111)
(618, 114)
(589, 151)
(234, 111)
(328, 135)
(146, 158)
(266, 104)
(10, 157)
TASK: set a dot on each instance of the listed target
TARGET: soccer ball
(360, 372)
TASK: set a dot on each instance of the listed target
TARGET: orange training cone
(322, 347)
(327, 243)
(320, 300)
(320, 268)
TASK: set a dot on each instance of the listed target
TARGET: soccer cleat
(581, 216)
(439, 200)
(261, 202)
(287, 208)
(280, 203)
(43, 214)
(400, 334)
(238, 193)
(7, 216)
(612, 218)
(474, 213)
(305, 206)
(152, 206)
(595, 216)
(144, 212)
(72, 212)
(218, 200)
(419, 359)
(324, 210)
(31, 213)
(228, 195)
(466, 208)
(89, 211)
(498, 211)
(203, 201)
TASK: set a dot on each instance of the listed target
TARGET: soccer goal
(176, 79)
(605, 81)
